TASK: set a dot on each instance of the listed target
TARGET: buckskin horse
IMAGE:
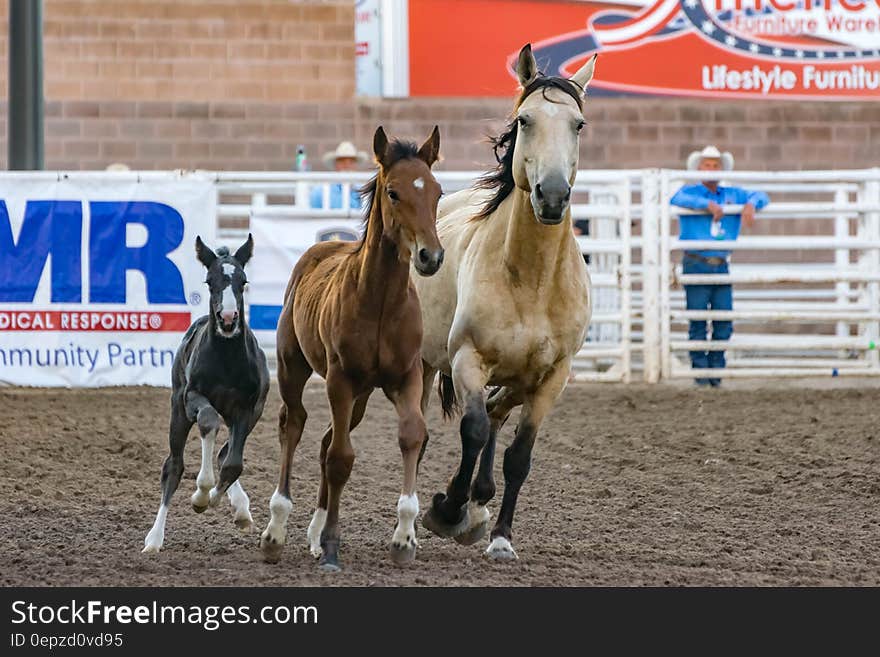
(219, 376)
(352, 315)
(511, 306)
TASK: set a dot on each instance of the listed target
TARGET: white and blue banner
(279, 241)
(98, 276)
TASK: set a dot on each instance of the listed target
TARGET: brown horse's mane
(500, 178)
(398, 149)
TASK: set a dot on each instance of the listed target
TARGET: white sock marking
(405, 532)
(316, 526)
(156, 537)
(279, 511)
(240, 502)
(205, 479)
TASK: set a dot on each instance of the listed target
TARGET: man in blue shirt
(709, 195)
(345, 158)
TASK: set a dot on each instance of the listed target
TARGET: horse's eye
(523, 124)
(393, 195)
(580, 126)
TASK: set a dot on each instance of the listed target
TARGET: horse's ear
(526, 66)
(585, 74)
(245, 251)
(380, 146)
(430, 150)
(205, 255)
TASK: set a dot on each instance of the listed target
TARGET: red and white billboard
(783, 49)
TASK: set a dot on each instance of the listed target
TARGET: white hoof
(316, 526)
(215, 497)
(244, 521)
(500, 549)
(153, 543)
(200, 500)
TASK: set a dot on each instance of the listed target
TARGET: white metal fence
(804, 304)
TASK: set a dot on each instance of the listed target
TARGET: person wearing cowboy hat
(714, 224)
(346, 157)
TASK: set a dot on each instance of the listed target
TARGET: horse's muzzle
(428, 261)
(227, 322)
(550, 200)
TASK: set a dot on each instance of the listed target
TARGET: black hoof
(329, 561)
(199, 509)
(473, 534)
(432, 520)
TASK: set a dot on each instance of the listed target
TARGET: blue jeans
(707, 297)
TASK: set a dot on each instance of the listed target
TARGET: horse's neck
(382, 273)
(533, 252)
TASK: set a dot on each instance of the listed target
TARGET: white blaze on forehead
(229, 302)
(228, 269)
(550, 109)
(419, 183)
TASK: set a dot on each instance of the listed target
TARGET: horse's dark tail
(447, 396)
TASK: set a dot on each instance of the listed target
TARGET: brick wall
(237, 84)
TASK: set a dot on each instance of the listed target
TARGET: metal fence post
(650, 275)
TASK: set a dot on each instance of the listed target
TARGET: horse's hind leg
(293, 374)
(411, 437)
(498, 406)
(428, 374)
(518, 458)
(339, 460)
(172, 470)
(316, 526)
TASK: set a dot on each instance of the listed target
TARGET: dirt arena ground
(754, 484)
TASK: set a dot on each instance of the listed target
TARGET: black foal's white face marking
(226, 282)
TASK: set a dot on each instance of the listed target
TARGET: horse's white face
(545, 158)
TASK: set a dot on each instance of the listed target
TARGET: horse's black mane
(500, 178)
(398, 149)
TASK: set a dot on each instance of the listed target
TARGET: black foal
(219, 376)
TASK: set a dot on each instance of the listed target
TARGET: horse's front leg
(518, 457)
(241, 503)
(448, 513)
(410, 435)
(499, 405)
(199, 410)
(231, 458)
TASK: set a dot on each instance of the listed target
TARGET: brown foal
(351, 314)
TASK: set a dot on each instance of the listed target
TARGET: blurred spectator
(346, 157)
(710, 196)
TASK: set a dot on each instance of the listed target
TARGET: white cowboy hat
(693, 160)
(345, 149)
